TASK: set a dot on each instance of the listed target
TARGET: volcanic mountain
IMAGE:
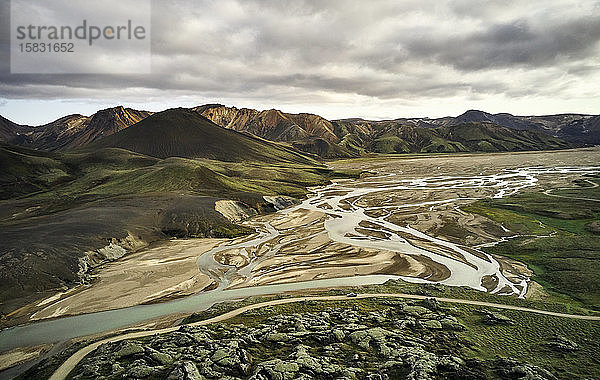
(181, 132)
(71, 131)
(270, 124)
(307, 132)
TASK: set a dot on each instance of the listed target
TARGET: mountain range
(472, 131)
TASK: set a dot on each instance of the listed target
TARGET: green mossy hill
(180, 132)
(25, 171)
(466, 137)
(56, 181)
(487, 137)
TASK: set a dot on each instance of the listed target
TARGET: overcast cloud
(378, 59)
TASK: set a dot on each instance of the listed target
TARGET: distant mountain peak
(476, 111)
(72, 131)
(475, 115)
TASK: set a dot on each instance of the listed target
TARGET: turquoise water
(65, 328)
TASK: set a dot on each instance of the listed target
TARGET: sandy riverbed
(166, 271)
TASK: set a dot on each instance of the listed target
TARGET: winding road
(63, 371)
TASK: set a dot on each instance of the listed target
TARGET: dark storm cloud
(387, 50)
(515, 43)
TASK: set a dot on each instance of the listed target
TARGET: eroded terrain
(403, 218)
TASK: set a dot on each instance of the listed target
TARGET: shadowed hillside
(389, 137)
(183, 133)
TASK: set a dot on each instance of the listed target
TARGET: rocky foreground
(397, 340)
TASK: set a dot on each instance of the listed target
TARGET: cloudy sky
(376, 59)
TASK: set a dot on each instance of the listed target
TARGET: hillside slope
(270, 124)
(181, 132)
(307, 132)
(392, 137)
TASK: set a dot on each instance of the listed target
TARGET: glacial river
(341, 202)
(347, 215)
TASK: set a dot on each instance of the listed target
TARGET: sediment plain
(402, 218)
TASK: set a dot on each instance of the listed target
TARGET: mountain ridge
(311, 133)
(355, 136)
(71, 131)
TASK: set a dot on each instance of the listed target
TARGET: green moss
(64, 181)
(558, 243)
(585, 188)
(390, 144)
(441, 145)
(486, 146)
(512, 220)
(525, 340)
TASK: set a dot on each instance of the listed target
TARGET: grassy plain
(559, 238)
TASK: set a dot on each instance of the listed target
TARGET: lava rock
(129, 349)
(186, 370)
(492, 318)
(562, 344)
(508, 368)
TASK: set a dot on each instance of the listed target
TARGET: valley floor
(418, 218)
(407, 220)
